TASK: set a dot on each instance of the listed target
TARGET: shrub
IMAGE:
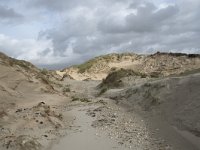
(75, 98)
(85, 66)
(103, 90)
(44, 71)
(66, 89)
(114, 78)
(155, 75)
(86, 100)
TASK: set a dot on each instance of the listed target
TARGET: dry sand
(146, 114)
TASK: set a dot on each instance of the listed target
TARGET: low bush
(85, 100)
(113, 80)
(66, 89)
(103, 90)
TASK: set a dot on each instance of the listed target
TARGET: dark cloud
(60, 5)
(147, 19)
(8, 15)
(137, 30)
(66, 5)
(45, 52)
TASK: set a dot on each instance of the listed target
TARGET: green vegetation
(113, 69)
(148, 95)
(178, 54)
(152, 86)
(66, 88)
(75, 98)
(113, 80)
(147, 85)
(189, 72)
(20, 63)
(43, 78)
(85, 100)
(155, 74)
(44, 71)
(85, 66)
(150, 92)
(105, 58)
(109, 57)
(103, 90)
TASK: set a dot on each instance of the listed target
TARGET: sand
(145, 114)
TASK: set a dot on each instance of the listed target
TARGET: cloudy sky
(62, 32)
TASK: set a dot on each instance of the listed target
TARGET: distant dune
(158, 64)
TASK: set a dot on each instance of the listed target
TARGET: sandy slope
(40, 112)
(158, 114)
(162, 64)
(104, 122)
(36, 115)
(171, 105)
(29, 108)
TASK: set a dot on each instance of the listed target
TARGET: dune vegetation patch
(113, 80)
(84, 100)
(86, 66)
(102, 59)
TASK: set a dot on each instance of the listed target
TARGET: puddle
(89, 137)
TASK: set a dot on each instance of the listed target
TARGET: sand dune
(152, 103)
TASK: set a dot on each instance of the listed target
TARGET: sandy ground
(103, 124)
(30, 113)
(170, 108)
(33, 118)
(161, 114)
(86, 137)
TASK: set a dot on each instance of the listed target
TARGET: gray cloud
(61, 5)
(145, 27)
(8, 15)
(66, 5)
(78, 30)
(145, 20)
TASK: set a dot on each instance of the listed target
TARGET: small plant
(75, 98)
(44, 79)
(20, 63)
(155, 75)
(143, 75)
(44, 71)
(60, 116)
(114, 79)
(66, 89)
(188, 72)
(85, 100)
(2, 113)
(151, 100)
(147, 84)
(113, 69)
(86, 66)
(103, 90)
(155, 101)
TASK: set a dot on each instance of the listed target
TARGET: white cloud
(39, 52)
(28, 49)
(73, 31)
